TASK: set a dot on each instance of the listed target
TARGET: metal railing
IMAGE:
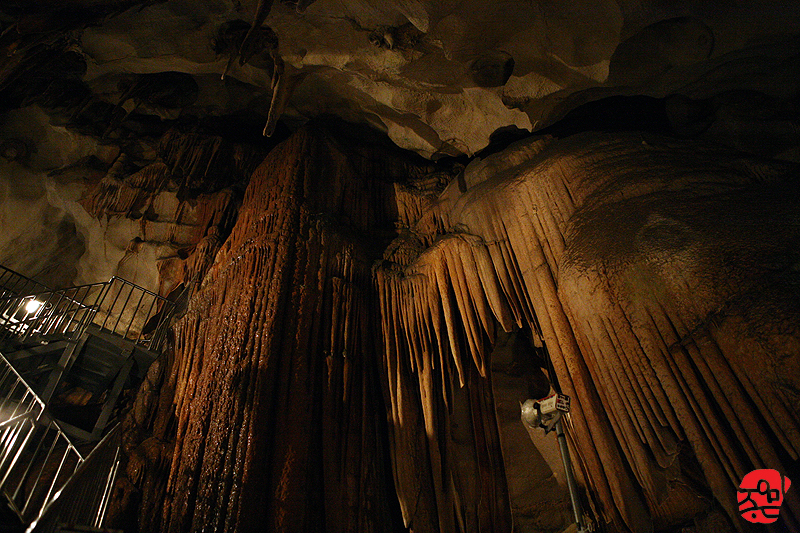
(65, 312)
(44, 476)
(117, 305)
(85, 497)
(14, 283)
(145, 322)
(36, 456)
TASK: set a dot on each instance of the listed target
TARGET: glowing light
(33, 306)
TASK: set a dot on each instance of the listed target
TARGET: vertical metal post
(72, 311)
(571, 485)
(24, 477)
(51, 326)
(111, 308)
(122, 310)
(105, 497)
(133, 315)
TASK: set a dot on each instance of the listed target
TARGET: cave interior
(370, 231)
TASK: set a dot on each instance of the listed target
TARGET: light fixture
(546, 414)
(32, 306)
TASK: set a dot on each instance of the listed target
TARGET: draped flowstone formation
(660, 275)
(280, 417)
(334, 370)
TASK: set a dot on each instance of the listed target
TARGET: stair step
(98, 359)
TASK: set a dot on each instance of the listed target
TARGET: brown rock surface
(277, 392)
(661, 277)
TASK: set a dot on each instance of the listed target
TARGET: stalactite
(145, 196)
(122, 196)
(445, 355)
(612, 248)
(277, 397)
(207, 163)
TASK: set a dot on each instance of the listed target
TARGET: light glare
(32, 306)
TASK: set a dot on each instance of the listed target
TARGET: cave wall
(41, 219)
(328, 377)
(76, 210)
(660, 275)
(279, 415)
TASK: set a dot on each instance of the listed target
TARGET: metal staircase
(66, 359)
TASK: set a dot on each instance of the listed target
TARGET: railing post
(41, 470)
(111, 284)
(34, 435)
(106, 497)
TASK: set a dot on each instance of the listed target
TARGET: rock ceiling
(102, 78)
(438, 77)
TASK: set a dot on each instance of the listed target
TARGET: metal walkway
(66, 357)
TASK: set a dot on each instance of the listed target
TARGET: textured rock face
(689, 335)
(422, 70)
(657, 276)
(280, 420)
(40, 212)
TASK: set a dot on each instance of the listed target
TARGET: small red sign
(760, 495)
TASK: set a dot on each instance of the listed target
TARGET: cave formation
(399, 221)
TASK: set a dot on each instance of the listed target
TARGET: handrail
(28, 431)
(147, 329)
(7, 370)
(116, 305)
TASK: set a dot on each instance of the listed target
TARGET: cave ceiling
(438, 77)
(94, 91)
